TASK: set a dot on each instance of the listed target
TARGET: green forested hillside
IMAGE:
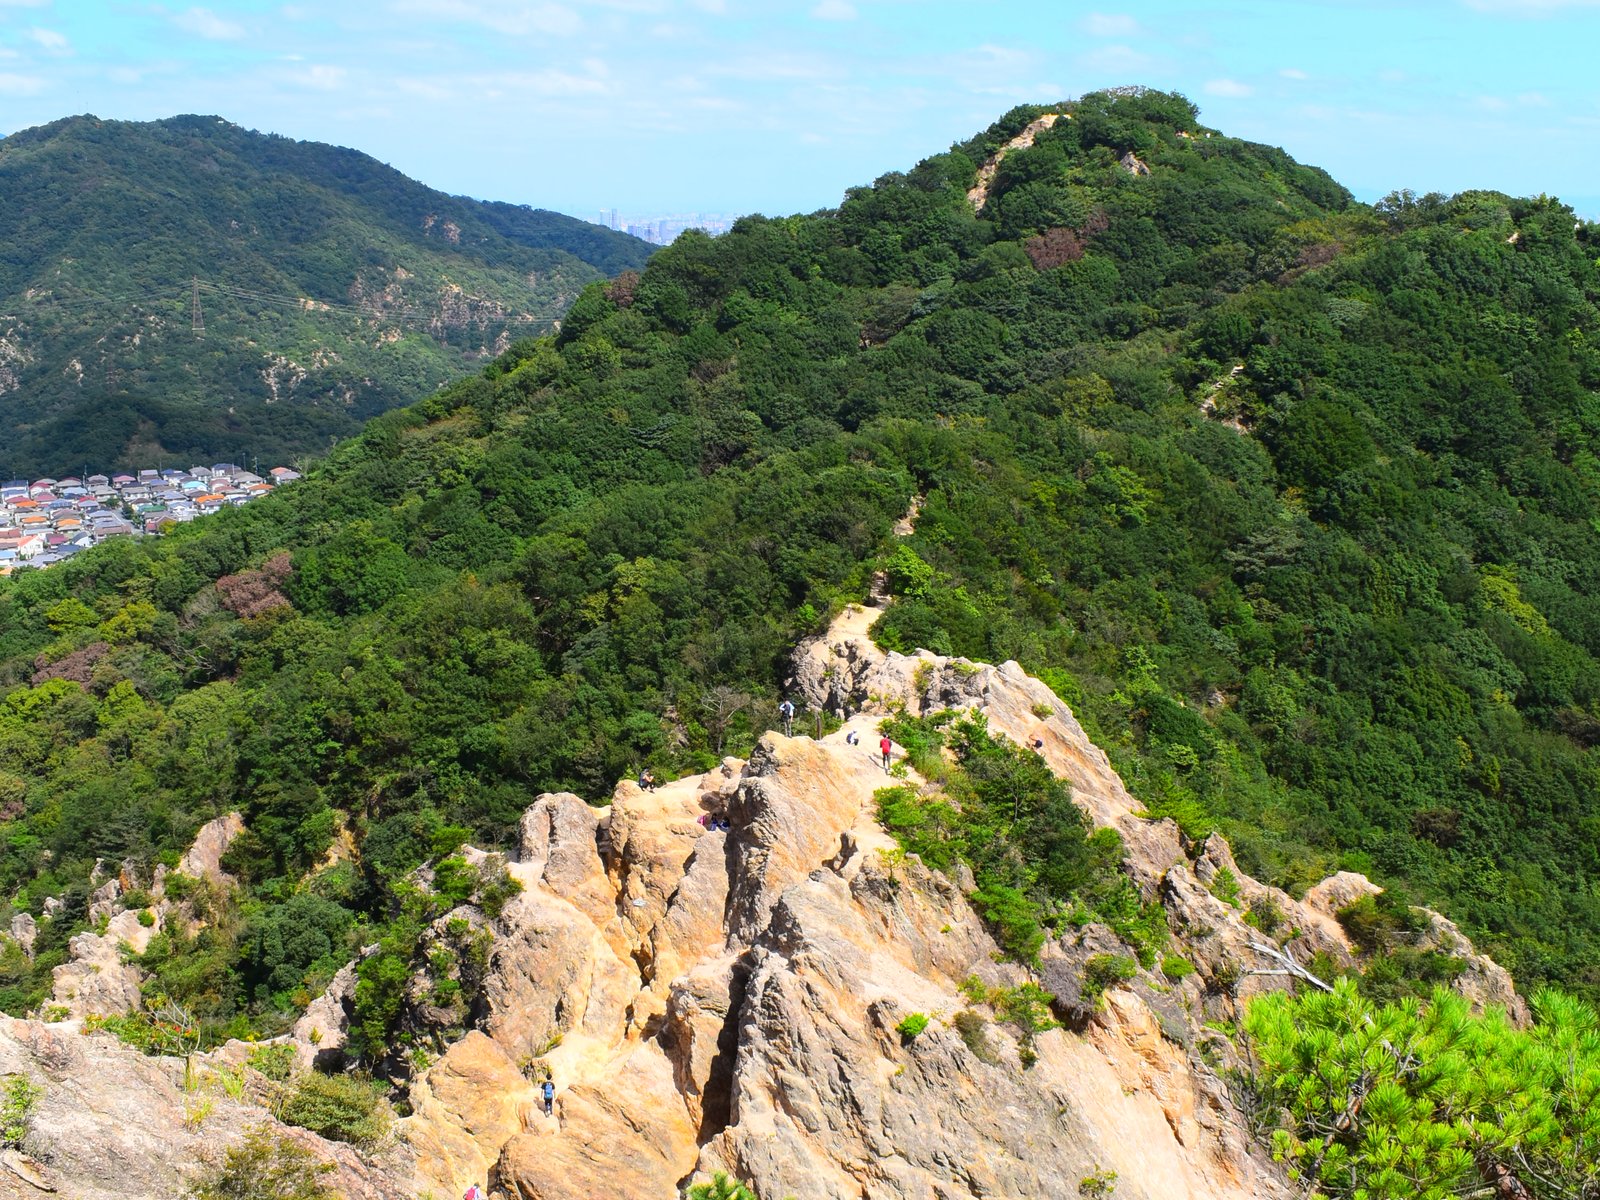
(104, 224)
(1296, 502)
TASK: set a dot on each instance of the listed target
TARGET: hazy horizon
(667, 106)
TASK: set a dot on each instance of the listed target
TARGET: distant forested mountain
(1295, 501)
(331, 288)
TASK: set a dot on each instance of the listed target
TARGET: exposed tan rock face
(112, 1124)
(320, 1034)
(211, 841)
(96, 980)
(707, 1000)
(847, 956)
(24, 930)
(1484, 982)
(470, 1105)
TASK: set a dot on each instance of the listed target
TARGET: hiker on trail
(885, 745)
(548, 1090)
(851, 738)
(473, 1193)
(786, 711)
(647, 780)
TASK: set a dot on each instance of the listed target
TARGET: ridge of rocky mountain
(731, 1000)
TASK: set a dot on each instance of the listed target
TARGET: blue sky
(745, 105)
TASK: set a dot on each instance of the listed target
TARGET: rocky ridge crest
(729, 1000)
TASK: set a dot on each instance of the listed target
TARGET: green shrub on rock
(266, 1167)
(1104, 971)
(911, 1025)
(343, 1108)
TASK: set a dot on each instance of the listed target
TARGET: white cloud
(715, 7)
(1534, 99)
(49, 39)
(1230, 89)
(1492, 104)
(1293, 73)
(1114, 59)
(202, 22)
(426, 89)
(1110, 25)
(768, 67)
(548, 83)
(834, 10)
(514, 20)
(321, 78)
(20, 85)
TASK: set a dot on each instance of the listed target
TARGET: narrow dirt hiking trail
(978, 195)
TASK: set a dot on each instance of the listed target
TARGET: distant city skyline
(661, 229)
(675, 106)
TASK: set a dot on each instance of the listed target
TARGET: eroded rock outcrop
(113, 1124)
(98, 979)
(714, 975)
(203, 860)
(729, 1000)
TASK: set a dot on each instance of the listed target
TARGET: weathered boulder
(1339, 891)
(552, 973)
(794, 802)
(96, 981)
(113, 1124)
(319, 1036)
(470, 1104)
(203, 859)
(559, 846)
(24, 930)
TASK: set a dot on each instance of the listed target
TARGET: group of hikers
(648, 782)
(885, 745)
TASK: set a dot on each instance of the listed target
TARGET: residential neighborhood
(46, 521)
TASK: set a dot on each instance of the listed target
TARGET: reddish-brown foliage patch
(621, 289)
(1318, 254)
(77, 667)
(1061, 245)
(1054, 247)
(252, 593)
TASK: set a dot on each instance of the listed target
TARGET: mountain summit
(330, 288)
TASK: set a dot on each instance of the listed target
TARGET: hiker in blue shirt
(548, 1089)
(786, 711)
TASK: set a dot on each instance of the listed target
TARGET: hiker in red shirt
(885, 745)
